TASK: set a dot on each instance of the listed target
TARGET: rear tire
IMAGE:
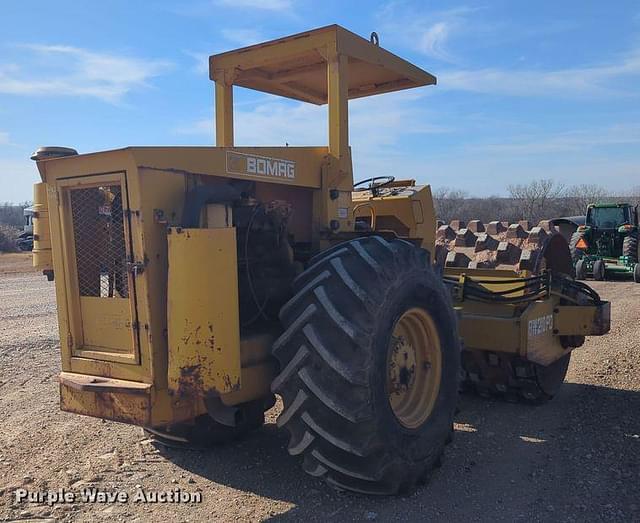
(335, 361)
(581, 272)
(630, 247)
(636, 273)
(599, 272)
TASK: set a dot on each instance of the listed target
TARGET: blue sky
(525, 89)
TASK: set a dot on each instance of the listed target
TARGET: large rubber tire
(630, 247)
(636, 273)
(576, 253)
(333, 356)
(599, 271)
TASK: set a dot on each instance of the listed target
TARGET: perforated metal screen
(98, 231)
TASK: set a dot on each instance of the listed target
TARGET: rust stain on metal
(191, 334)
(211, 340)
(192, 384)
(190, 381)
(122, 407)
(232, 387)
(197, 369)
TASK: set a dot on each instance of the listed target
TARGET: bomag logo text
(239, 163)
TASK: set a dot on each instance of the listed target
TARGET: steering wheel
(375, 183)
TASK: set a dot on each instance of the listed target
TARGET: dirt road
(575, 459)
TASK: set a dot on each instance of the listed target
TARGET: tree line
(12, 214)
(11, 224)
(534, 201)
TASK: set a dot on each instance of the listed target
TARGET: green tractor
(607, 244)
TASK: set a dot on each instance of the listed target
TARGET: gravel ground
(575, 459)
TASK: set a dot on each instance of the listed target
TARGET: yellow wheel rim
(414, 367)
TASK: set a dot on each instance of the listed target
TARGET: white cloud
(597, 80)
(427, 32)
(269, 5)
(434, 40)
(433, 34)
(58, 70)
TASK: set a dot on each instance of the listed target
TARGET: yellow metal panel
(501, 328)
(405, 74)
(410, 205)
(269, 53)
(42, 258)
(338, 111)
(487, 276)
(541, 343)
(256, 384)
(106, 324)
(227, 162)
(203, 311)
(100, 327)
(104, 398)
(482, 274)
(124, 401)
(224, 114)
(155, 191)
(60, 173)
(295, 67)
(583, 320)
(490, 333)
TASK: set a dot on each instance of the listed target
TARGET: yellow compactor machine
(196, 283)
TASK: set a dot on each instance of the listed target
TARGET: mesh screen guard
(99, 239)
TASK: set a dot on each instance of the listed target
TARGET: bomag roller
(195, 283)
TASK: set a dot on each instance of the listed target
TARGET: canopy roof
(296, 66)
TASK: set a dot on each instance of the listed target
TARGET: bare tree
(487, 209)
(579, 196)
(634, 195)
(532, 200)
(8, 237)
(538, 200)
(11, 214)
(449, 203)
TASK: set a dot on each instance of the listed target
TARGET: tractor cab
(611, 216)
